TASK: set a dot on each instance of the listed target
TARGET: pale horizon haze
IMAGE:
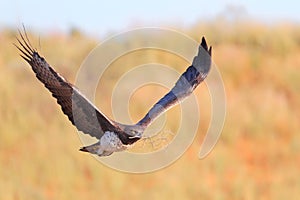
(100, 17)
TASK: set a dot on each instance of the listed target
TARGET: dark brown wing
(184, 86)
(80, 111)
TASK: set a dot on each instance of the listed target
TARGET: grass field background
(257, 156)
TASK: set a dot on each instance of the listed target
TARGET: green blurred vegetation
(257, 156)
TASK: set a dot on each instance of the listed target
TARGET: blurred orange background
(257, 156)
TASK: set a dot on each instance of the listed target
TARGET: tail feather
(95, 149)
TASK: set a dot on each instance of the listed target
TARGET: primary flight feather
(84, 115)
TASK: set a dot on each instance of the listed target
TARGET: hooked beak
(139, 135)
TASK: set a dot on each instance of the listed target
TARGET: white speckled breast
(110, 142)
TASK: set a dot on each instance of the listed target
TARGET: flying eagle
(83, 114)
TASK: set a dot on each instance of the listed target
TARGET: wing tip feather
(24, 46)
(205, 46)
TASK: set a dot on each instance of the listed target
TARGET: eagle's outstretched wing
(80, 111)
(184, 86)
